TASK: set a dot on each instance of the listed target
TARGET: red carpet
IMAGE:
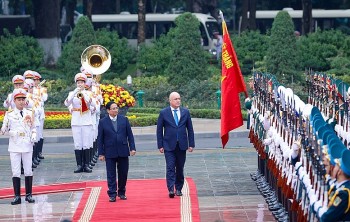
(44, 189)
(147, 201)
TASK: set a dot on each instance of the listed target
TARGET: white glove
(322, 211)
(297, 165)
(266, 123)
(267, 141)
(313, 199)
(33, 138)
(317, 205)
(76, 90)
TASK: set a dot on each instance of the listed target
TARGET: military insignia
(337, 201)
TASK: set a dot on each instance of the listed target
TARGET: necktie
(176, 117)
(21, 112)
(114, 123)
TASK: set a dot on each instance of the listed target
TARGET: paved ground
(225, 190)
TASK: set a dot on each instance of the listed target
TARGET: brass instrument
(41, 83)
(96, 58)
(80, 94)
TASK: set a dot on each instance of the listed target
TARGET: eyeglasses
(114, 108)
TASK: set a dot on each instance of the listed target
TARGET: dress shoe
(122, 197)
(112, 199)
(171, 194)
(178, 193)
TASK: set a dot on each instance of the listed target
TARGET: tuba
(96, 58)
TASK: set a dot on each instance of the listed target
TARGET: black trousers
(112, 165)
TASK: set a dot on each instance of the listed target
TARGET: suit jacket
(112, 144)
(168, 133)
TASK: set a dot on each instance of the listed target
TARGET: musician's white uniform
(81, 123)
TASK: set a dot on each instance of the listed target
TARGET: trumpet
(41, 83)
(79, 93)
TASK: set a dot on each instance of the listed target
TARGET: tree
(141, 35)
(82, 37)
(21, 52)
(121, 52)
(189, 60)
(47, 29)
(281, 58)
(307, 17)
(251, 48)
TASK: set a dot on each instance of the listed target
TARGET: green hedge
(143, 118)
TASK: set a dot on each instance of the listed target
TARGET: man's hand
(132, 152)
(190, 149)
(101, 158)
(161, 150)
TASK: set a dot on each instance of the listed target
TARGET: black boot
(37, 153)
(34, 155)
(16, 181)
(29, 186)
(91, 155)
(40, 148)
(86, 161)
(78, 158)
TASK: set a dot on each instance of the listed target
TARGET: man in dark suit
(115, 144)
(174, 137)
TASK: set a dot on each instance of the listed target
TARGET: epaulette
(9, 111)
(29, 109)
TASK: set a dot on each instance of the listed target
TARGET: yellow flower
(118, 94)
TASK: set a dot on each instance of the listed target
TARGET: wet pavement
(222, 176)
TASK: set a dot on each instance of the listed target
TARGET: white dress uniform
(22, 136)
(81, 123)
(19, 125)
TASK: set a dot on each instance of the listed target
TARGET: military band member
(95, 110)
(40, 93)
(19, 125)
(79, 102)
(37, 111)
(18, 82)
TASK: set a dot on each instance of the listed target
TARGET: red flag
(232, 83)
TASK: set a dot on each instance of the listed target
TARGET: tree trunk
(197, 6)
(117, 6)
(212, 7)
(88, 8)
(141, 22)
(307, 17)
(252, 15)
(47, 29)
(70, 7)
(233, 8)
(244, 23)
(189, 5)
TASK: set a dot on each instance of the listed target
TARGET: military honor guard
(19, 125)
(79, 103)
(303, 149)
